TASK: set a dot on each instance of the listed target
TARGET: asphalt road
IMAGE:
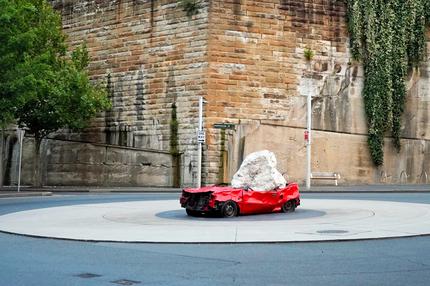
(45, 262)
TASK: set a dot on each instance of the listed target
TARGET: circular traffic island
(165, 222)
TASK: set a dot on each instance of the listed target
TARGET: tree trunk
(37, 174)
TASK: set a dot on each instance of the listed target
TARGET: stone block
(258, 172)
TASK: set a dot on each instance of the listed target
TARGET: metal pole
(199, 151)
(308, 142)
(20, 139)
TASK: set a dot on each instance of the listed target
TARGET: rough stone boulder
(258, 172)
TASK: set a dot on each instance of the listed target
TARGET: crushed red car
(230, 202)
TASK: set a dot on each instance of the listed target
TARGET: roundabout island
(163, 221)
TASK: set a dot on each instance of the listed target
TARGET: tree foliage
(40, 86)
(66, 99)
(31, 41)
(388, 36)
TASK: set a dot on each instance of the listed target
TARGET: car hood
(213, 189)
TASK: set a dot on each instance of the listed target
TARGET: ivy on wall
(388, 36)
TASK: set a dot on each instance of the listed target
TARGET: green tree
(40, 86)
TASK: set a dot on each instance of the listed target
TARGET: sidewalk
(49, 190)
(11, 191)
(368, 188)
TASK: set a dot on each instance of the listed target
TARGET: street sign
(201, 136)
(223, 126)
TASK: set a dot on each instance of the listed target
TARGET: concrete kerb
(9, 194)
(369, 189)
(86, 189)
(49, 190)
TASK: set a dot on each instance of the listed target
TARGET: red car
(230, 202)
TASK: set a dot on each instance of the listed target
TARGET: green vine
(388, 36)
(191, 7)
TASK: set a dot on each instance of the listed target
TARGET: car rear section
(196, 201)
(211, 199)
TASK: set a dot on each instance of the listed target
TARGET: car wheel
(288, 207)
(193, 212)
(229, 209)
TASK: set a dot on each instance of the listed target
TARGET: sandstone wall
(346, 154)
(247, 58)
(257, 71)
(85, 164)
(152, 57)
(258, 79)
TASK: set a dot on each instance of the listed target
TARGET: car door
(271, 199)
(257, 201)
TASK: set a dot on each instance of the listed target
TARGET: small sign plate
(201, 136)
(223, 126)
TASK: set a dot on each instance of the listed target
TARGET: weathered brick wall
(151, 56)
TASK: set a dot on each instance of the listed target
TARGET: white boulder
(258, 172)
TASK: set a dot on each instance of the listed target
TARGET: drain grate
(88, 275)
(125, 282)
(332, 231)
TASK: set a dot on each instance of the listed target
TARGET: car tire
(289, 207)
(229, 209)
(193, 213)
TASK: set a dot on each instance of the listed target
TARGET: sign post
(200, 140)
(20, 134)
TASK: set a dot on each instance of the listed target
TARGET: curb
(23, 194)
(7, 192)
